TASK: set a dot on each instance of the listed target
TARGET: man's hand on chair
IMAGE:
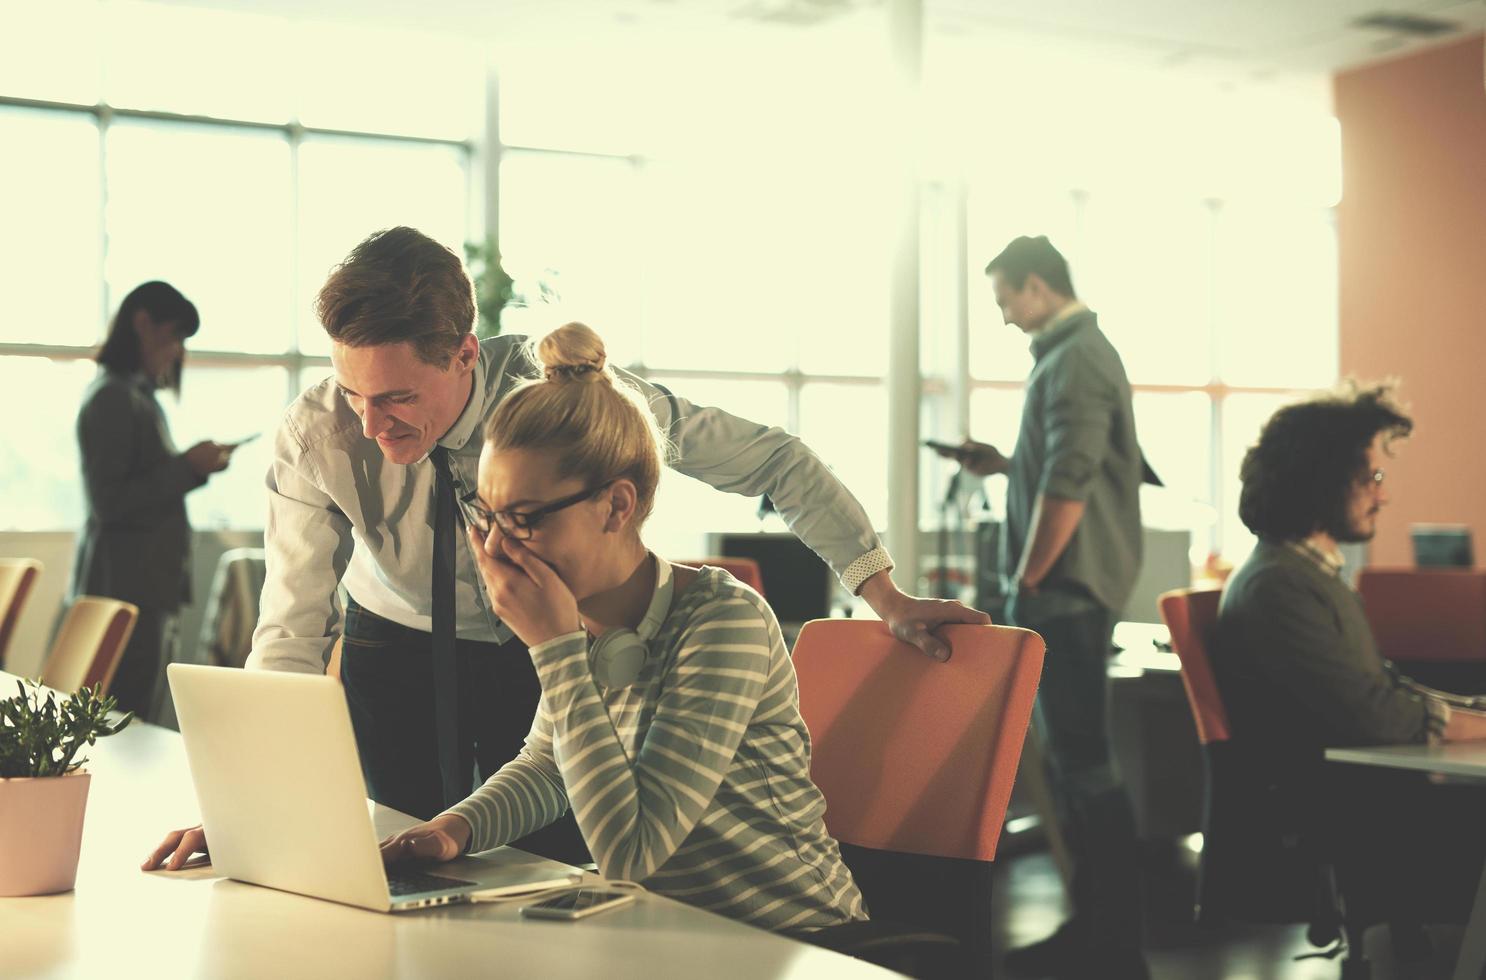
(913, 619)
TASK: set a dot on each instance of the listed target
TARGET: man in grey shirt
(1071, 545)
(361, 464)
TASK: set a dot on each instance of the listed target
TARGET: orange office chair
(17, 576)
(745, 570)
(1190, 616)
(87, 649)
(1432, 614)
(89, 644)
(1252, 869)
(916, 760)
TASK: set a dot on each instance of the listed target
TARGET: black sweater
(1296, 663)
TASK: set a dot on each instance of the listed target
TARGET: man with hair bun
(369, 471)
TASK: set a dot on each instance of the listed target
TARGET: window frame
(293, 362)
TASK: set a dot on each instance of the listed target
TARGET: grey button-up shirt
(338, 510)
(1077, 442)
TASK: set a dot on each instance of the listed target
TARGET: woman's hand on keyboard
(441, 839)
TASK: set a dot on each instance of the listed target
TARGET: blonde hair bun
(598, 433)
(572, 352)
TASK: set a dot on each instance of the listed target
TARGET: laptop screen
(1442, 546)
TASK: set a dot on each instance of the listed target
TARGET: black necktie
(445, 674)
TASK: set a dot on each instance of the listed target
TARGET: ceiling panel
(1252, 35)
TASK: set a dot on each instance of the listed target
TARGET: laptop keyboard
(413, 882)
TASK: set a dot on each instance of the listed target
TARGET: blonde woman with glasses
(668, 719)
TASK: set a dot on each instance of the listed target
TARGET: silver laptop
(282, 799)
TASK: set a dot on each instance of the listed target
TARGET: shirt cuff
(865, 567)
(558, 646)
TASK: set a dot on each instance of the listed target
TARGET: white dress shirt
(339, 511)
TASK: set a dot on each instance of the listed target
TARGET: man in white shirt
(354, 498)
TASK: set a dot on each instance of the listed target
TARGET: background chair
(1191, 615)
(227, 631)
(1431, 622)
(745, 570)
(1260, 858)
(916, 760)
(1436, 614)
(17, 575)
(87, 649)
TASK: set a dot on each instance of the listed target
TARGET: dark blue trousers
(387, 670)
(1098, 821)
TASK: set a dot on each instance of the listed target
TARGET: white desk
(121, 922)
(1455, 759)
(1143, 648)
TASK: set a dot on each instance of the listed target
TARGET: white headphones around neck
(620, 654)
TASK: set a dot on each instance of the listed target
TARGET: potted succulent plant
(43, 790)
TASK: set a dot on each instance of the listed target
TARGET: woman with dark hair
(135, 543)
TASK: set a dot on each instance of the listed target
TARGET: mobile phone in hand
(243, 441)
(578, 904)
(944, 447)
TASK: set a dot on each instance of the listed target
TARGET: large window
(207, 209)
(167, 153)
(51, 203)
(728, 235)
(1221, 312)
(1209, 258)
(727, 250)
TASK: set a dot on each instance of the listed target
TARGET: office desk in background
(122, 922)
(1152, 733)
(1455, 759)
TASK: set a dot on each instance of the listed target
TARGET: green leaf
(40, 736)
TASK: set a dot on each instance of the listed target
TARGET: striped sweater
(693, 780)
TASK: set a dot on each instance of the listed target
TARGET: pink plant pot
(41, 831)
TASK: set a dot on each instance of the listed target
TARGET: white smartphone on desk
(578, 904)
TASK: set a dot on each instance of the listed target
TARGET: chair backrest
(1435, 614)
(17, 575)
(1190, 615)
(87, 649)
(745, 570)
(913, 755)
(232, 609)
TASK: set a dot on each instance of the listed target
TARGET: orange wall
(1412, 239)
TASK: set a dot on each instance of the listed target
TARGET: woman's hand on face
(524, 591)
(441, 839)
(176, 849)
